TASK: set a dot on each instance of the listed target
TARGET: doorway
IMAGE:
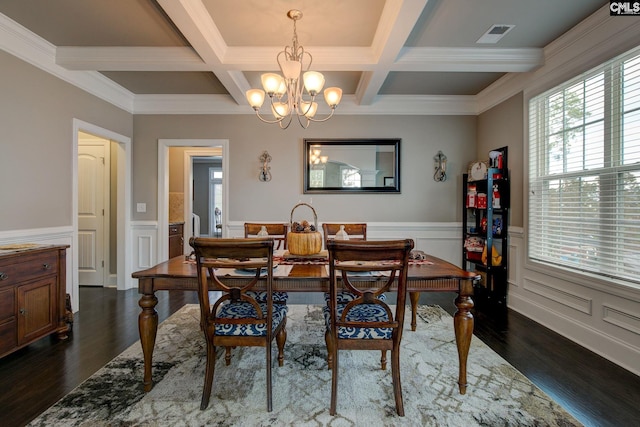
(192, 148)
(120, 208)
(207, 194)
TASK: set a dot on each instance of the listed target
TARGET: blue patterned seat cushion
(361, 312)
(345, 297)
(243, 310)
(261, 296)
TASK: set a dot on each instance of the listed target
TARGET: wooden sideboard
(32, 295)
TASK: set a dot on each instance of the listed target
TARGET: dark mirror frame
(388, 182)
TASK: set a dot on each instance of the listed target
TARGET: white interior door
(91, 214)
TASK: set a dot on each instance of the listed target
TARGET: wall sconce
(440, 164)
(265, 170)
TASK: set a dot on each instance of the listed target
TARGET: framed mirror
(352, 165)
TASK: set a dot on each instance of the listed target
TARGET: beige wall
(176, 169)
(422, 198)
(37, 112)
(36, 143)
(502, 126)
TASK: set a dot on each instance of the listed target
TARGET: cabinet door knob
(23, 311)
(3, 276)
(46, 266)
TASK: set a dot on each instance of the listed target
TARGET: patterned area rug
(497, 395)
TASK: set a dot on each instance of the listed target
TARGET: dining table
(428, 274)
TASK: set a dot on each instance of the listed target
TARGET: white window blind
(584, 172)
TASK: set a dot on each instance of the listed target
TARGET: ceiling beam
(195, 23)
(478, 59)
(396, 22)
(98, 58)
(101, 58)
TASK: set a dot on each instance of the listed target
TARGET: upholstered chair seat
(345, 297)
(370, 313)
(245, 310)
(261, 296)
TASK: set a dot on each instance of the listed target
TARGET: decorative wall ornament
(440, 166)
(265, 170)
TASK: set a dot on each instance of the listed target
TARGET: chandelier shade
(293, 92)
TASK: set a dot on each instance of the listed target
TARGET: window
(350, 176)
(215, 201)
(584, 172)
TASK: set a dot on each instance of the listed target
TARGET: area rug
(497, 394)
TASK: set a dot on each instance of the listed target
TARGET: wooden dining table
(429, 275)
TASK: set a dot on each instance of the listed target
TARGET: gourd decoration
(304, 237)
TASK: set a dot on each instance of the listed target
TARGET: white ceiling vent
(495, 33)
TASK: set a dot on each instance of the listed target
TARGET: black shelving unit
(485, 225)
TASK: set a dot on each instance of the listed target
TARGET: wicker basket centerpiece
(304, 237)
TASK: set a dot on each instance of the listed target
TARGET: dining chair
(278, 231)
(237, 318)
(366, 269)
(355, 231)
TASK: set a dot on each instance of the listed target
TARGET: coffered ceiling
(190, 56)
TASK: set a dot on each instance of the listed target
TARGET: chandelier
(286, 91)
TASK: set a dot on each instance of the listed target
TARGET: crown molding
(468, 59)
(23, 44)
(384, 105)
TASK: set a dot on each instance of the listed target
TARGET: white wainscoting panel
(557, 294)
(621, 318)
(145, 243)
(602, 318)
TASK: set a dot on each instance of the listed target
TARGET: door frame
(123, 210)
(163, 184)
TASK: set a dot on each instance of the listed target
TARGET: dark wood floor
(595, 391)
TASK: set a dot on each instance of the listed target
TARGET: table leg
(148, 328)
(414, 297)
(463, 325)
